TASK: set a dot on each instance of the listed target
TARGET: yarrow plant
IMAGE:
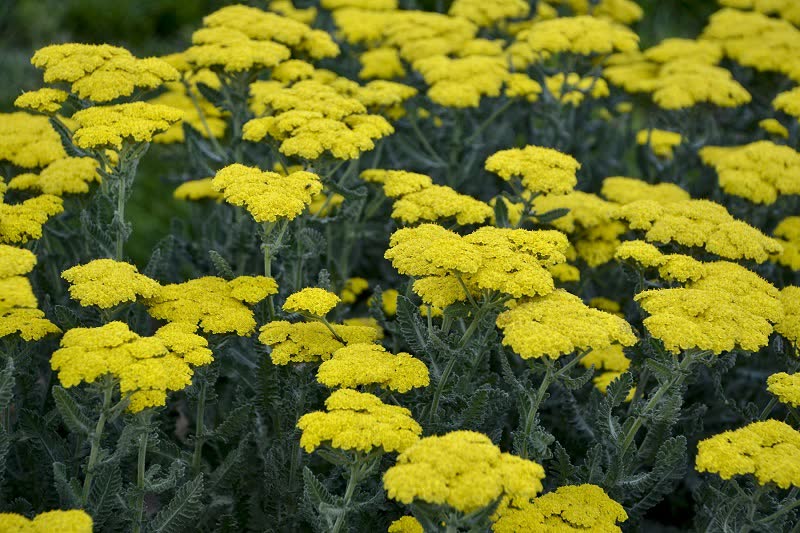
(496, 265)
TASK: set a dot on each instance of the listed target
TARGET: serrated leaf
(577, 382)
(180, 514)
(222, 267)
(71, 412)
(106, 486)
(68, 489)
(411, 326)
(214, 96)
(235, 422)
(315, 491)
(226, 472)
(669, 467)
(500, 213)
(7, 384)
(66, 139)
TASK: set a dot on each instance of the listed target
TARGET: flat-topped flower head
(661, 142)
(146, 367)
(430, 250)
(760, 172)
(101, 72)
(18, 305)
(675, 49)
(788, 102)
(358, 421)
(768, 450)
(312, 301)
(15, 261)
(581, 35)
(559, 324)
(789, 324)
(699, 223)
(305, 95)
(214, 304)
(568, 508)
(397, 183)
(541, 170)
(787, 232)
(306, 342)
(233, 51)
(22, 222)
(267, 196)
(461, 469)
(488, 13)
(102, 127)
(72, 521)
(371, 364)
(786, 387)
(29, 141)
(71, 175)
(46, 100)
(462, 82)
(439, 202)
(623, 190)
(106, 283)
(353, 288)
(406, 524)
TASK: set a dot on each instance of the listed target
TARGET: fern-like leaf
(71, 412)
(179, 514)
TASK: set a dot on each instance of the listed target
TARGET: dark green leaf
(180, 514)
(71, 412)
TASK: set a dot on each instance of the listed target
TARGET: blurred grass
(154, 27)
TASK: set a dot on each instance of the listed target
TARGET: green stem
(140, 464)
(348, 496)
(488, 122)
(437, 395)
(688, 360)
(536, 401)
(768, 409)
(330, 328)
(466, 290)
(120, 215)
(780, 512)
(199, 437)
(108, 389)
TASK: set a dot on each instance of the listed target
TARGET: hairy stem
(199, 437)
(108, 389)
(140, 464)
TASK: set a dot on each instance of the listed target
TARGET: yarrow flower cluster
(19, 311)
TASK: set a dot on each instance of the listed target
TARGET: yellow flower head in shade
(214, 304)
(558, 324)
(541, 170)
(352, 289)
(683, 84)
(520, 85)
(767, 449)
(582, 35)
(624, 191)
(397, 183)
(699, 223)
(462, 82)
(461, 469)
(287, 9)
(309, 134)
(46, 100)
(22, 222)
(264, 27)
(622, 11)
(71, 175)
(760, 171)
(108, 126)
(568, 508)
(389, 302)
(146, 367)
(788, 102)
(789, 325)
(787, 232)
(72, 521)
(609, 363)
(676, 49)
(785, 9)
(198, 112)
(661, 142)
(367, 364)
(101, 72)
(360, 422)
(382, 63)
(306, 95)
(571, 88)
(773, 127)
(406, 524)
(590, 222)
(202, 189)
(439, 202)
(487, 13)
(312, 301)
(267, 196)
(29, 141)
(786, 387)
(305, 342)
(106, 283)
(18, 312)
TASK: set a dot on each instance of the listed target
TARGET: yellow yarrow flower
(22, 222)
(774, 127)
(461, 469)
(760, 171)
(699, 223)
(46, 100)
(146, 367)
(541, 170)
(306, 342)
(520, 85)
(360, 422)
(789, 324)
(29, 141)
(106, 283)
(214, 304)
(198, 112)
(786, 387)
(109, 126)
(397, 183)
(489, 13)
(788, 234)
(768, 450)
(370, 364)
(558, 324)
(662, 142)
(568, 508)
(624, 191)
(267, 196)
(313, 301)
(202, 189)
(382, 63)
(101, 73)
(439, 202)
(785, 9)
(15, 261)
(788, 102)
(405, 524)
(462, 82)
(72, 521)
(18, 312)
(570, 88)
(287, 9)
(71, 175)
